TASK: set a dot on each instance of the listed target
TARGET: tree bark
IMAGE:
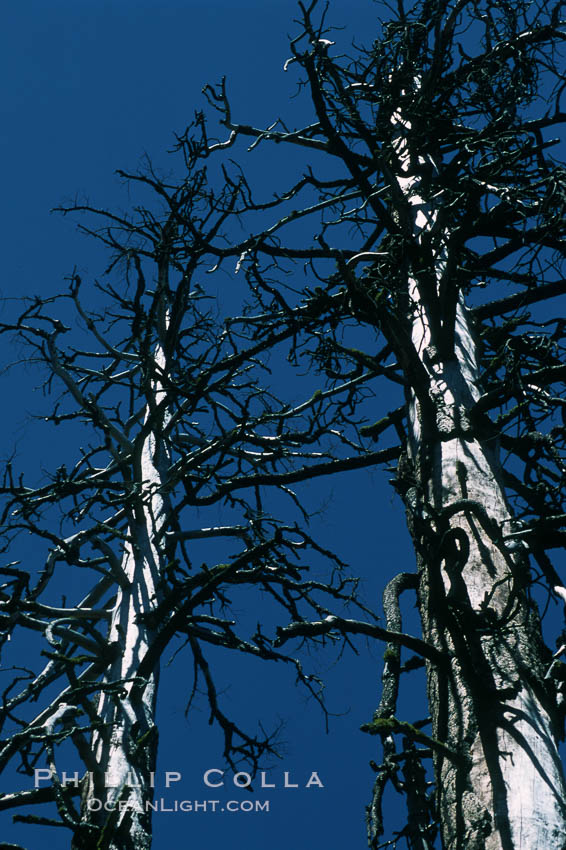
(118, 791)
(504, 788)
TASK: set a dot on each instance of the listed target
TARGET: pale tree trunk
(509, 793)
(118, 791)
(504, 788)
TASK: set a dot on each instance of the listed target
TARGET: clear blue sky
(90, 87)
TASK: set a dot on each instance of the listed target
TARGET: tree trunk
(504, 787)
(118, 791)
(124, 750)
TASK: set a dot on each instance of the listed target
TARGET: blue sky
(93, 86)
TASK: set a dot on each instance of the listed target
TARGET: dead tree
(170, 412)
(437, 209)
(438, 250)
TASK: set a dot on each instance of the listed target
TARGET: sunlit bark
(507, 792)
(118, 791)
